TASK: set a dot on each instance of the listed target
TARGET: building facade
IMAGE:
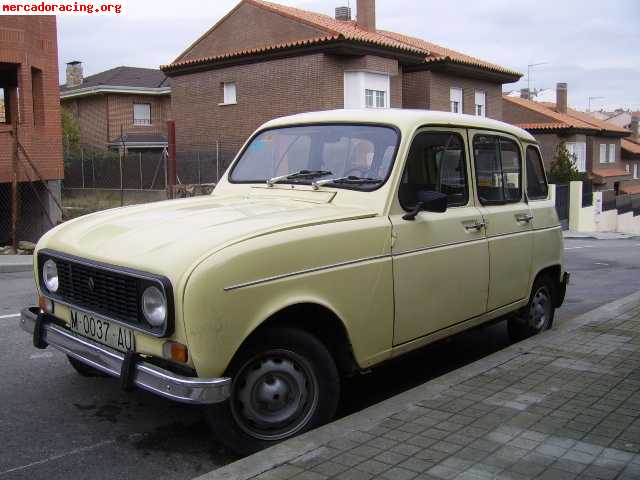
(595, 144)
(264, 60)
(30, 130)
(125, 107)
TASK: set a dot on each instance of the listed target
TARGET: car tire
(85, 370)
(284, 382)
(538, 315)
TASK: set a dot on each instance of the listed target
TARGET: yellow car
(334, 242)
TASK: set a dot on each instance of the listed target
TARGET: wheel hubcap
(540, 309)
(274, 395)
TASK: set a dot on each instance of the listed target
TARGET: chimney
(524, 93)
(74, 74)
(635, 129)
(561, 97)
(343, 14)
(366, 15)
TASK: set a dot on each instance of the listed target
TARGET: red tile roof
(632, 189)
(349, 30)
(630, 146)
(610, 172)
(571, 119)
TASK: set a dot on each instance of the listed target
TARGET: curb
(272, 457)
(16, 263)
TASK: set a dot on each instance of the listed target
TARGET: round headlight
(154, 306)
(50, 275)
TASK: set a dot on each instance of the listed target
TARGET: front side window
(498, 169)
(356, 156)
(455, 96)
(537, 188)
(142, 114)
(436, 163)
(481, 101)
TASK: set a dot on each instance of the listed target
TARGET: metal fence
(587, 193)
(562, 204)
(608, 200)
(635, 205)
(623, 204)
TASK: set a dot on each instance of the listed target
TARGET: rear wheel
(284, 382)
(85, 370)
(537, 315)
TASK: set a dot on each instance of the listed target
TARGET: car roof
(404, 119)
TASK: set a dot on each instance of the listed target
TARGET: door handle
(523, 217)
(475, 227)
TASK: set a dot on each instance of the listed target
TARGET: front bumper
(139, 373)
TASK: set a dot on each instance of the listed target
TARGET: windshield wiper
(299, 174)
(350, 180)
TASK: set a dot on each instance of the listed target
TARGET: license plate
(103, 331)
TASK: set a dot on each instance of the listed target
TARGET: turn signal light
(45, 304)
(175, 352)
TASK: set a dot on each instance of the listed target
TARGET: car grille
(113, 294)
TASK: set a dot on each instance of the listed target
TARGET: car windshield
(310, 153)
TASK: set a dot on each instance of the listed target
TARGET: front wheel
(284, 382)
(537, 316)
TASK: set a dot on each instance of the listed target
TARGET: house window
(229, 93)
(612, 153)
(3, 106)
(142, 114)
(455, 95)
(481, 104)
(366, 90)
(578, 150)
(375, 98)
(635, 171)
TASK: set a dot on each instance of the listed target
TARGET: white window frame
(364, 89)
(635, 171)
(480, 106)
(611, 153)
(143, 120)
(456, 95)
(229, 93)
(603, 153)
(579, 149)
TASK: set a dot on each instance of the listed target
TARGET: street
(56, 424)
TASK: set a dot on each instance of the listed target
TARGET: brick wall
(248, 27)
(431, 90)
(30, 42)
(264, 91)
(516, 114)
(100, 116)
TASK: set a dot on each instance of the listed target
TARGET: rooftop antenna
(529, 68)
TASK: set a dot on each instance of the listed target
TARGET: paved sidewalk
(562, 405)
(598, 235)
(16, 263)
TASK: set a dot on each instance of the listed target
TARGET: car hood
(171, 237)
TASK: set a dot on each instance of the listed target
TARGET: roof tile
(630, 146)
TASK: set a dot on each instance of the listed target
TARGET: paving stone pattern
(565, 408)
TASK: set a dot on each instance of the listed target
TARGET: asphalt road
(55, 424)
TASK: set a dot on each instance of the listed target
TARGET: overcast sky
(591, 44)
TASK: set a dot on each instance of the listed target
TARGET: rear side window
(498, 169)
(436, 163)
(537, 188)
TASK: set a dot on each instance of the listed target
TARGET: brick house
(631, 155)
(263, 60)
(124, 105)
(30, 127)
(596, 144)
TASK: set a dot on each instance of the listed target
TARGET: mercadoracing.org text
(40, 7)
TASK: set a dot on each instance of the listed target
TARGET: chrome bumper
(139, 373)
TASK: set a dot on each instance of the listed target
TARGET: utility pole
(530, 67)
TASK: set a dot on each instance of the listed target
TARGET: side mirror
(428, 201)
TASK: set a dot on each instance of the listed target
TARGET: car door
(440, 260)
(498, 169)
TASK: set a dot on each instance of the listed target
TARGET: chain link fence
(99, 179)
